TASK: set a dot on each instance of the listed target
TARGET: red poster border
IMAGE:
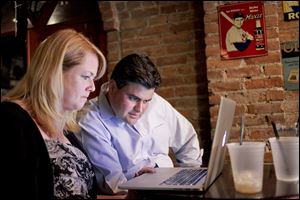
(253, 26)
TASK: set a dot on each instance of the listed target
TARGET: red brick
(189, 90)
(273, 69)
(183, 26)
(186, 102)
(174, 8)
(214, 99)
(124, 15)
(272, 57)
(255, 96)
(142, 13)
(167, 92)
(211, 39)
(269, 9)
(113, 56)
(172, 81)
(132, 24)
(152, 30)
(292, 95)
(264, 83)
(212, 50)
(211, 28)
(211, 17)
(273, 44)
(288, 35)
(187, 69)
(142, 42)
(272, 33)
(217, 63)
(129, 35)
(271, 21)
(264, 108)
(260, 134)
(243, 72)
(275, 95)
(111, 25)
(290, 107)
(159, 19)
(179, 48)
(215, 75)
(112, 36)
(169, 60)
(168, 71)
(133, 4)
(120, 5)
(177, 37)
(225, 86)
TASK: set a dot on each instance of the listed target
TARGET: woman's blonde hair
(41, 88)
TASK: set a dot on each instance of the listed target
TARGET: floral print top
(73, 174)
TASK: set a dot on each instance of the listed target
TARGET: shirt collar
(106, 111)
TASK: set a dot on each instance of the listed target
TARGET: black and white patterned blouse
(73, 174)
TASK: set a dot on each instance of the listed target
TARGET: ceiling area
(45, 13)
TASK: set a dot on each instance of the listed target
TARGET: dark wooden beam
(40, 21)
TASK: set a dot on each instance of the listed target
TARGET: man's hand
(145, 170)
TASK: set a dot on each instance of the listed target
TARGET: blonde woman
(39, 112)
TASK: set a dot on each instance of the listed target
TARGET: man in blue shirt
(129, 129)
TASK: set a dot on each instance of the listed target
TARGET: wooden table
(223, 188)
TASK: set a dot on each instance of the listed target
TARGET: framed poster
(242, 30)
(290, 61)
(290, 10)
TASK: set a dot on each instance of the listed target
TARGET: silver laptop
(202, 178)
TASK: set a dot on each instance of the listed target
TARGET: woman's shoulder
(74, 140)
(17, 121)
(9, 105)
(13, 110)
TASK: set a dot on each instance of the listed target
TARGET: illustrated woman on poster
(236, 38)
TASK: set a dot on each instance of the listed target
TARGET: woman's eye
(85, 77)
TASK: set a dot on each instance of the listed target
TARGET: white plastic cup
(285, 153)
(283, 188)
(287, 130)
(247, 164)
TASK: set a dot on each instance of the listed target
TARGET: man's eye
(146, 101)
(132, 98)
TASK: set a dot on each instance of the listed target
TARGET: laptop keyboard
(186, 177)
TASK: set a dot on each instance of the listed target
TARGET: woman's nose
(92, 87)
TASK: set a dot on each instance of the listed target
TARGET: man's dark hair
(238, 14)
(136, 68)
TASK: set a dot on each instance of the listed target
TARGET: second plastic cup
(285, 153)
(247, 163)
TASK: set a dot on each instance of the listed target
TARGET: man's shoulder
(160, 101)
(159, 106)
(88, 107)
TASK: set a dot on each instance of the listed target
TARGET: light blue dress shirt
(118, 150)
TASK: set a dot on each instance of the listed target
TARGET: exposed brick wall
(182, 39)
(172, 34)
(257, 84)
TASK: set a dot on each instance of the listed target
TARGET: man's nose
(139, 106)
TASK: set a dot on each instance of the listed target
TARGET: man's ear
(112, 86)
